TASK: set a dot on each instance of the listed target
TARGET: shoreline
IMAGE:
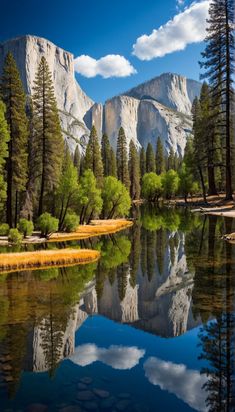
(95, 228)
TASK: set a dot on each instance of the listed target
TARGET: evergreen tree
(14, 98)
(171, 160)
(122, 159)
(93, 159)
(113, 163)
(47, 136)
(4, 139)
(142, 162)
(77, 160)
(134, 171)
(218, 62)
(106, 155)
(150, 159)
(160, 160)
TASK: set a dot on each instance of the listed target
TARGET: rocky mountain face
(159, 107)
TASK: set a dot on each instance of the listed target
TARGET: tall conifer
(160, 160)
(150, 159)
(122, 159)
(47, 137)
(134, 171)
(93, 159)
(14, 98)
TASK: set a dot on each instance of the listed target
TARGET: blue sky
(100, 28)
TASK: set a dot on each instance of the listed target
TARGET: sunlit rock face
(72, 102)
(159, 107)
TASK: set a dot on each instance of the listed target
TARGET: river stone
(122, 405)
(85, 396)
(86, 380)
(124, 395)
(71, 408)
(91, 406)
(101, 393)
(108, 403)
(82, 386)
(36, 407)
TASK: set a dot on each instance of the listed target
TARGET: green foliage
(170, 183)
(160, 159)
(71, 222)
(14, 236)
(93, 159)
(150, 159)
(89, 201)
(116, 198)
(134, 171)
(142, 162)
(13, 96)
(152, 187)
(67, 191)
(47, 139)
(185, 182)
(4, 229)
(4, 139)
(122, 159)
(25, 227)
(77, 160)
(47, 224)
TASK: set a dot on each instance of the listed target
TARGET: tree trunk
(211, 181)
(16, 208)
(202, 183)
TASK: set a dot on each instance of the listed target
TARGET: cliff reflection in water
(170, 273)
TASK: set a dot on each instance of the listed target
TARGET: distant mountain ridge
(158, 107)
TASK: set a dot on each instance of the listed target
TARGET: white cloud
(112, 65)
(118, 357)
(185, 28)
(185, 383)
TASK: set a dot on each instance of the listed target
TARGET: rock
(36, 407)
(86, 380)
(82, 386)
(85, 396)
(124, 395)
(91, 406)
(71, 408)
(108, 403)
(122, 405)
(101, 393)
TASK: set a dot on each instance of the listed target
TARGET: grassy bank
(46, 258)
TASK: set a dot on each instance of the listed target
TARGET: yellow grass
(46, 258)
(96, 228)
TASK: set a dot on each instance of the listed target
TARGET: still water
(150, 327)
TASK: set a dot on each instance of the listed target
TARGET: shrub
(25, 227)
(14, 236)
(71, 222)
(4, 229)
(47, 224)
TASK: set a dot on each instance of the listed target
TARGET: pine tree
(122, 159)
(160, 160)
(4, 139)
(105, 152)
(93, 159)
(134, 171)
(150, 159)
(113, 163)
(47, 137)
(218, 62)
(14, 98)
(198, 145)
(142, 162)
(171, 159)
(77, 160)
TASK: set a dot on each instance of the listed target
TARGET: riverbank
(95, 228)
(44, 259)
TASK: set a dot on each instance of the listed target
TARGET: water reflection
(167, 275)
